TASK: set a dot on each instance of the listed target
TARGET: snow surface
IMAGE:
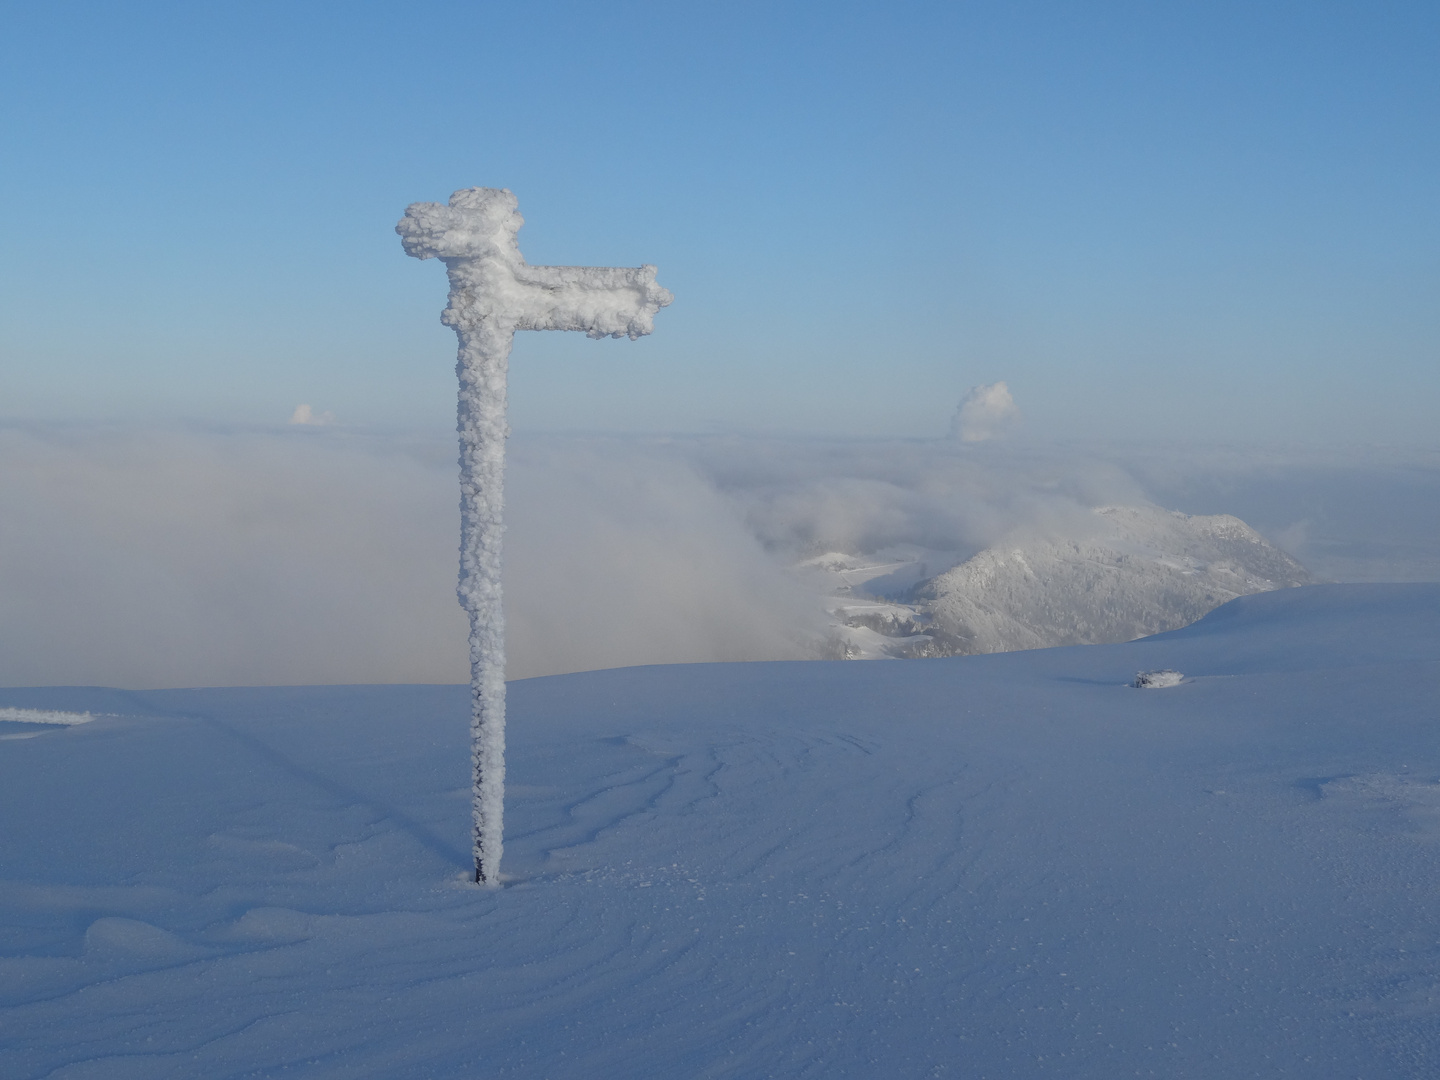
(993, 866)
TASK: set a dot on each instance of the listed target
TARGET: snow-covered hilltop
(1121, 573)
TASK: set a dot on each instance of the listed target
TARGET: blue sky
(1153, 220)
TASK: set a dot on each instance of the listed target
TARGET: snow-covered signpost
(493, 293)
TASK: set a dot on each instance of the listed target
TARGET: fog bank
(310, 554)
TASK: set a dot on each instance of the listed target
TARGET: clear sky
(1151, 219)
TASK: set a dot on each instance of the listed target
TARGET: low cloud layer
(313, 555)
(201, 558)
(305, 415)
(621, 553)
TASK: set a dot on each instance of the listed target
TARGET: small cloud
(984, 412)
(303, 414)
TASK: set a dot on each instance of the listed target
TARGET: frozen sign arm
(475, 236)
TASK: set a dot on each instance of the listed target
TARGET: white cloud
(303, 414)
(984, 412)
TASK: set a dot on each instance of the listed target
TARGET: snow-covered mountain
(1123, 572)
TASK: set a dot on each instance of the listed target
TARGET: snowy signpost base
(493, 293)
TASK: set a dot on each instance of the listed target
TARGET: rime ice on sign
(493, 293)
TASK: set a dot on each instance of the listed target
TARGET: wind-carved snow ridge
(1127, 572)
(28, 723)
(493, 293)
(44, 716)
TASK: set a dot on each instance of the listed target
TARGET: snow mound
(1136, 571)
(1157, 680)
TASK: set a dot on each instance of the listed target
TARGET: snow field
(996, 866)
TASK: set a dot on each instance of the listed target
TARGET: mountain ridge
(1121, 573)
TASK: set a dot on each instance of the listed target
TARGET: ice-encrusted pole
(493, 293)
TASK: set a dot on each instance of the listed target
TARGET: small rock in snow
(1157, 680)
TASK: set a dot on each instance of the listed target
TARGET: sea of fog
(314, 554)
